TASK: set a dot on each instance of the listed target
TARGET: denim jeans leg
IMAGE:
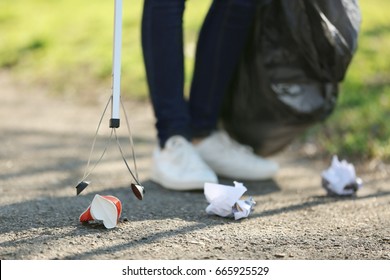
(221, 41)
(162, 43)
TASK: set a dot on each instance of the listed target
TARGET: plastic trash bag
(288, 77)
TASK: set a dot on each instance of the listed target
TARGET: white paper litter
(225, 200)
(340, 178)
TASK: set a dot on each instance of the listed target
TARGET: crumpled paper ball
(225, 200)
(340, 178)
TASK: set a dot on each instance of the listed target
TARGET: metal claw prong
(81, 186)
(138, 191)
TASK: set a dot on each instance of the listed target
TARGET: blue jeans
(221, 41)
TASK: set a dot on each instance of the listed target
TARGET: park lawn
(67, 44)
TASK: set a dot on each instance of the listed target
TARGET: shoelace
(182, 148)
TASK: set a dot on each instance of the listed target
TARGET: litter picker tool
(116, 103)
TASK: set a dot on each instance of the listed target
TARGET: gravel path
(45, 143)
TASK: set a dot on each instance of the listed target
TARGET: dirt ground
(45, 143)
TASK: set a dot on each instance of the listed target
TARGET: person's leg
(176, 164)
(162, 42)
(221, 41)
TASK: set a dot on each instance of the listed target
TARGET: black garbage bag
(288, 77)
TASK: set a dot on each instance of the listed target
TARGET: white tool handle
(116, 65)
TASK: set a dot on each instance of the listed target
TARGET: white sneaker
(179, 167)
(230, 159)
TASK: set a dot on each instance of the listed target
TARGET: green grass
(66, 46)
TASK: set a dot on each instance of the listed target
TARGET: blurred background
(65, 47)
